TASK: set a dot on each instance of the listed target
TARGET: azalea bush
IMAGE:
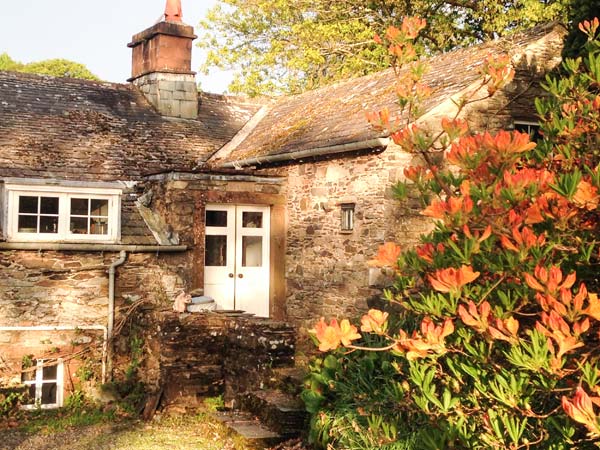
(490, 337)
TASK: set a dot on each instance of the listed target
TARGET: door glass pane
(252, 219)
(28, 224)
(99, 207)
(48, 224)
(28, 205)
(98, 226)
(48, 393)
(252, 251)
(79, 206)
(216, 218)
(216, 251)
(79, 225)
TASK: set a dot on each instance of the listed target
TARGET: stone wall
(326, 268)
(193, 356)
(173, 95)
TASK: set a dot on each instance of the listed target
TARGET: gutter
(69, 328)
(112, 270)
(320, 151)
(92, 247)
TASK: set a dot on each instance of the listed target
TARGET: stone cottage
(116, 195)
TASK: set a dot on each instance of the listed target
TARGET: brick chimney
(162, 60)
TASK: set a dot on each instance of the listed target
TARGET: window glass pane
(31, 394)
(99, 208)
(252, 251)
(216, 251)
(79, 206)
(48, 224)
(28, 224)
(79, 225)
(49, 372)
(28, 375)
(252, 219)
(28, 205)
(49, 205)
(98, 226)
(49, 391)
(347, 217)
(216, 218)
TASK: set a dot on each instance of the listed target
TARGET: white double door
(236, 262)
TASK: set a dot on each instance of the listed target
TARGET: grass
(92, 428)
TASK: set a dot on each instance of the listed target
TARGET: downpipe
(112, 270)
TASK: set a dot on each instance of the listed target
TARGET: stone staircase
(248, 360)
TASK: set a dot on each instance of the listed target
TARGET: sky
(92, 32)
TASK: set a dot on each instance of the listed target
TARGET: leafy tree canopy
(53, 67)
(288, 46)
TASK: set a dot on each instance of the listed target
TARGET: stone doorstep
(250, 428)
(279, 411)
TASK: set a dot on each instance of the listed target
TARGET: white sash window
(61, 214)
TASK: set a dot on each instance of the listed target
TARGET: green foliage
(490, 338)
(53, 67)
(10, 399)
(288, 46)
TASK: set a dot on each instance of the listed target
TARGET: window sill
(347, 232)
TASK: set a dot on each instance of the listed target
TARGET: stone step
(288, 379)
(256, 435)
(279, 411)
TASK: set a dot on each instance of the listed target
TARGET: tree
(53, 67)
(490, 336)
(288, 46)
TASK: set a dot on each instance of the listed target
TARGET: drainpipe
(112, 270)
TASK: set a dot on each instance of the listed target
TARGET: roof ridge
(38, 76)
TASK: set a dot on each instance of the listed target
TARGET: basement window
(531, 128)
(59, 214)
(44, 382)
(347, 216)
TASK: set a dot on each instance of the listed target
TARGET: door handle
(241, 275)
(231, 275)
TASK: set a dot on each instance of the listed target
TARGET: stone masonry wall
(326, 268)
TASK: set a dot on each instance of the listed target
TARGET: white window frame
(348, 217)
(527, 123)
(12, 193)
(39, 381)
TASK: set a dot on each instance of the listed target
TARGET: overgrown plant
(493, 323)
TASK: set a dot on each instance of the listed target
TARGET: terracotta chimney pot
(173, 11)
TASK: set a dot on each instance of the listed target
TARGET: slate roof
(68, 129)
(335, 115)
(63, 128)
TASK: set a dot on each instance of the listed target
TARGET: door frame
(277, 202)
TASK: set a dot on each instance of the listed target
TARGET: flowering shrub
(491, 338)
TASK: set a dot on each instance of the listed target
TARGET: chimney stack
(162, 60)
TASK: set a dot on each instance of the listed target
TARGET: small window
(48, 213)
(348, 216)
(44, 382)
(531, 128)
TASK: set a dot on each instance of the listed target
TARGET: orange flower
(331, 336)
(505, 330)
(374, 321)
(549, 281)
(327, 335)
(476, 319)
(425, 252)
(593, 309)
(431, 339)
(581, 410)
(348, 333)
(412, 26)
(554, 327)
(455, 128)
(451, 279)
(586, 196)
(387, 255)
